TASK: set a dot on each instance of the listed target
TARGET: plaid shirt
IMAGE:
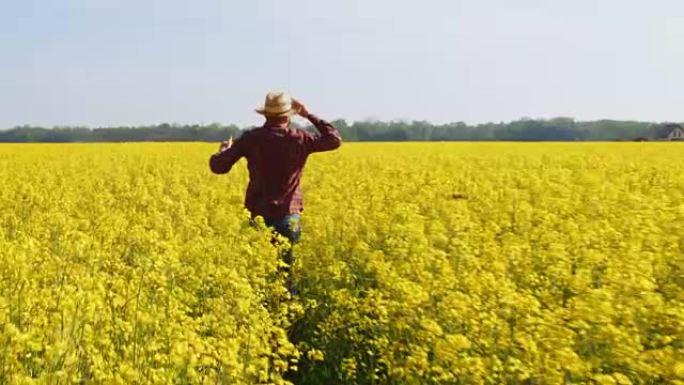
(275, 160)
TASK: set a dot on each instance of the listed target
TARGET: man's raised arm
(328, 137)
(222, 161)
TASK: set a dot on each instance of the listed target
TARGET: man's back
(276, 157)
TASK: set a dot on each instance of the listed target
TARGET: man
(276, 155)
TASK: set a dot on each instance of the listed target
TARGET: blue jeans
(287, 226)
(290, 228)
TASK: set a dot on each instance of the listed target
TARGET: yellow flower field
(420, 263)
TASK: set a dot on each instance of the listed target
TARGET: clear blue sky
(112, 62)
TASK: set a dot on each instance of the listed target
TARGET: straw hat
(277, 103)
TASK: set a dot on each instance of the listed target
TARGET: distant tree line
(160, 133)
(558, 129)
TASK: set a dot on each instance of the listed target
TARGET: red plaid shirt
(275, 159)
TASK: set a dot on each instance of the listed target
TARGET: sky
(134, 62)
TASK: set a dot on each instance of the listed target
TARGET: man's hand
(226, 144)
(300, 108)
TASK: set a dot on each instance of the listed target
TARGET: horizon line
(347, 121)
